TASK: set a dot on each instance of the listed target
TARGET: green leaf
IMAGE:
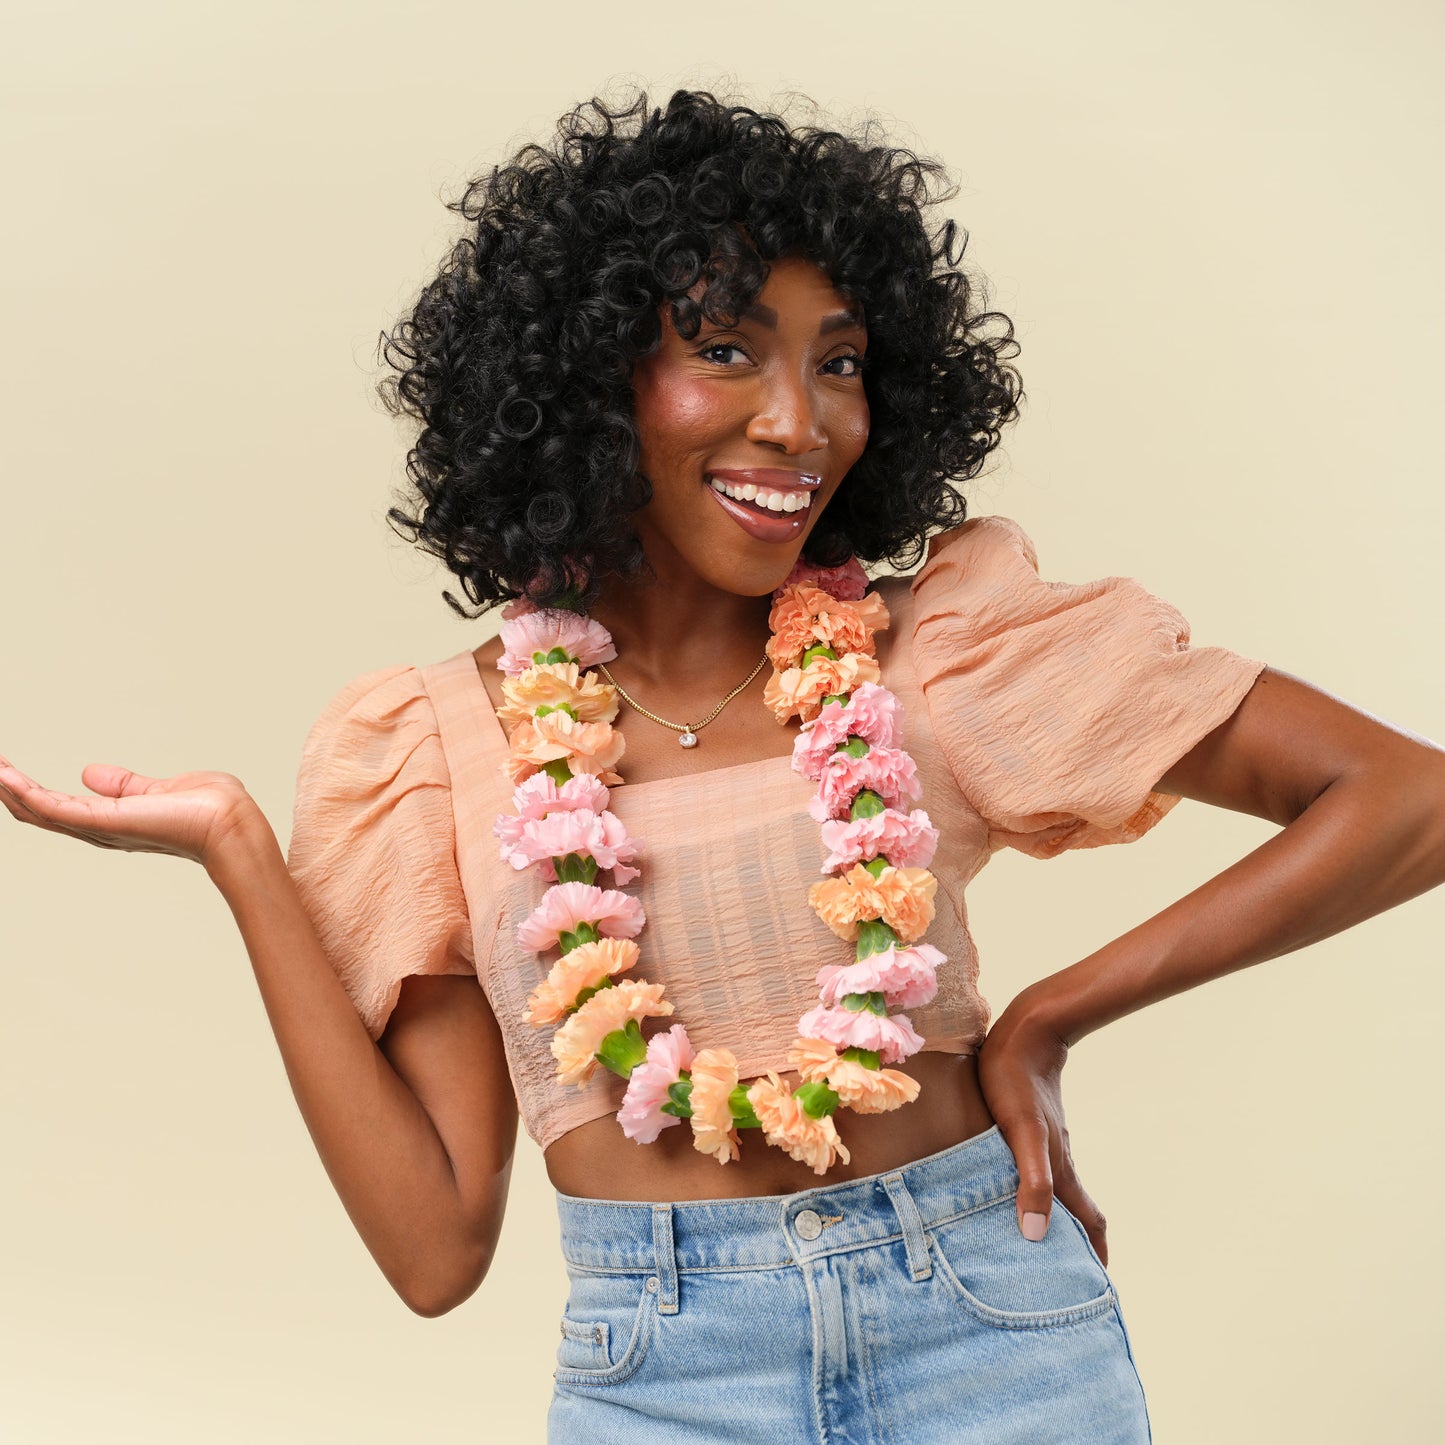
(875, 936)
(586, 933)
(816, 1099)
(623, 1049)
(867, 805)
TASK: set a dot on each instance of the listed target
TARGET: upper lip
(774, 477)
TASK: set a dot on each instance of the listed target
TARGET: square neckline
(697, 779)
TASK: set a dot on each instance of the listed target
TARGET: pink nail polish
(1034, 1226)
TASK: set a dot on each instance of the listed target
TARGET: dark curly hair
(516, 359)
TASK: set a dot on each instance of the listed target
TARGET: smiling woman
(689, 385)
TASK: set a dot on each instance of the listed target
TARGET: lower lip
(781, 527)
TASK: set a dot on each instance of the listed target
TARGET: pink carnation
(906, 840)
(892, 1039)
(872, 712)
(847, 583)
(595, 835)
(889, 772)
(547, 627)
(542, 794)
(906, 977)
(641, 1113)
(565, 905)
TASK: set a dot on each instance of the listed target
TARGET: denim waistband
(769, 1231)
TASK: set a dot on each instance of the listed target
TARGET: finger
(111, 781)
(1028, 1138)
(55, 812)
(1081, 1205)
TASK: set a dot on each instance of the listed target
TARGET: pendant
(688, 739)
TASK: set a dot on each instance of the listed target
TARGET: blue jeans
(904, 1308)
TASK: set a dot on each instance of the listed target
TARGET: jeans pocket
(607, 1327)
(1013, 1283)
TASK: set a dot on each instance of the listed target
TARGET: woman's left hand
(1019, 1068)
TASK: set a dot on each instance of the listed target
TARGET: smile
(761, 497)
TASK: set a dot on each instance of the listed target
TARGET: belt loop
(913, 1237)
(663, 1246)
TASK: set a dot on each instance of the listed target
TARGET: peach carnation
(864, 1090)
(804, 616)
(810, 1141)
(575, 1044)
(588, 747)
(901, 897)
(542, 629)
(553, 683)
(565, 905)
(800, 690)
(585, 967)
(714, 1077)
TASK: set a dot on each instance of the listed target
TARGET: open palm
(187, 815)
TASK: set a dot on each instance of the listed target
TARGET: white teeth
(773, 501)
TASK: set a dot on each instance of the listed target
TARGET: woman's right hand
(189, 815)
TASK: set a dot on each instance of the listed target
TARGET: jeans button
(808, 1225)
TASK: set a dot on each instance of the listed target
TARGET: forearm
(376, 1141)
(1364, 845)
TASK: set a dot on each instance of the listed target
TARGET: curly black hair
(517, 357)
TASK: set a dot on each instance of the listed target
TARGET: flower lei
(878, 894)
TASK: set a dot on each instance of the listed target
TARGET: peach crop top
(1040, 715)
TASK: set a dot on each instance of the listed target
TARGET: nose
(787, 416)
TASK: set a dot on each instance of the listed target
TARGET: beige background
(1216, 228)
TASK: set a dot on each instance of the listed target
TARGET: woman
(682, 370)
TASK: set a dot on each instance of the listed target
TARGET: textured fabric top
(1040, 715)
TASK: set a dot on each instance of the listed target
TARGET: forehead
(796, 285)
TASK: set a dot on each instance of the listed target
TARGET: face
(772, 409)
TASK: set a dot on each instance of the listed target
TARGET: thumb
(1029, 1141)
(111, 781)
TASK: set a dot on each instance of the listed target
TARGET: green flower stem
(547, 707)
(816, 1099)
(838, 697)
(586, 933)
(557, 770)
(587, 993)
(869, 1058)
(575, 868)
(855, 746)
(679, 1097)
(741, 1109)
(876, 865)
(623, 1049)
(867, 804)
(858, 1003)
(818, 649)
(875, 936)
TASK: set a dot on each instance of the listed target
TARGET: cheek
(678, 412)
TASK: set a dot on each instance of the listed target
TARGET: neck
(678, 626)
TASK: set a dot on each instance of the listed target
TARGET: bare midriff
(598, 1161)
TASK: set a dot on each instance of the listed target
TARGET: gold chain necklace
(688, 730)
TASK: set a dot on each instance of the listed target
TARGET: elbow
(432, 1298)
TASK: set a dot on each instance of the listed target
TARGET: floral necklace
(878, 894)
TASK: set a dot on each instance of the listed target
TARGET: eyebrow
(834, 321)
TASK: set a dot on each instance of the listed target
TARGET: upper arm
(442, 1039)
(1287, 742)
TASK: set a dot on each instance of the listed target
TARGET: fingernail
(1034, 1226)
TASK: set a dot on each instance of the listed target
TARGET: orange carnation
(805, 615)
(588, 747)
(550, 684)
(585, 967)
(787, 1124)
(864, 1090)
(575, 1044)
(901, 897)
(714, 1076)
(801, 689)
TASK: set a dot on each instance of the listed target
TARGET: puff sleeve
(373, 847)
(1059, 705)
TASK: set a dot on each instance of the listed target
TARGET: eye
(860, 363)
(707, 351)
